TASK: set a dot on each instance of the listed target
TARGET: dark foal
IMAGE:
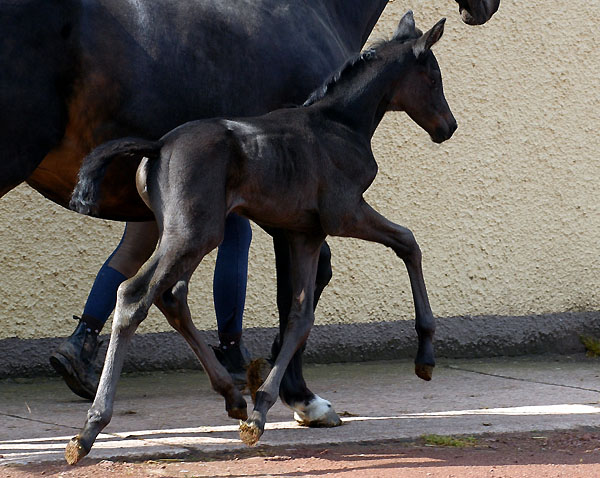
(303, 170)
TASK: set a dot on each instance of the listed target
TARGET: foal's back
(271, 168)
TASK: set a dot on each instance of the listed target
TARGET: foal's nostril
(453, 126)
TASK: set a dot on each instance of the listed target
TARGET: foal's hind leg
(368, 224)
(309, 409)
(174, 258)
(304, 258)
(133, 302)
(173, 304)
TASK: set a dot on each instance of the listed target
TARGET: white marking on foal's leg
(317, 413)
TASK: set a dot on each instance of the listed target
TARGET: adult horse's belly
(56, 177)
(90, 110)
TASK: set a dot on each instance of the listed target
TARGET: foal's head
(418, 89)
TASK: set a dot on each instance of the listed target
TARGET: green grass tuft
(449, 441)
(592, 345)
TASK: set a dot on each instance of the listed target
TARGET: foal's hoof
(235, 405)
(250, 433)
(424, 371)
(75, 451)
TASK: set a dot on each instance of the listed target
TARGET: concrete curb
(456, 337)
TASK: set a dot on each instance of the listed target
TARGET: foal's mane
(365, 56)
(322, 90)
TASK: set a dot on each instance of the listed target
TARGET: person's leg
(75, 359)
(102, 297)
(229, 295)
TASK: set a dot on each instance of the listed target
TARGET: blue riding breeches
(230, 277)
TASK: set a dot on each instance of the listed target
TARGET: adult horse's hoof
(424, 371)
(75, 451)
(318, 413)
(250, 433)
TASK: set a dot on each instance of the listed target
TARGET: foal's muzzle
(444, 130)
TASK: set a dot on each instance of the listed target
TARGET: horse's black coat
(76, 73)
(302, 170)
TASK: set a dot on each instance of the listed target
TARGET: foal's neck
(361, 97)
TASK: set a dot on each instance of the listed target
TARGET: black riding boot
(235, 357)
(75, 359)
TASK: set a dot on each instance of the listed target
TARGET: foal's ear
(428, 39)
(406, 27)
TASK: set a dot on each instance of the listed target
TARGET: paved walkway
(172, 414)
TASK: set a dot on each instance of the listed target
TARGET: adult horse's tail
(87, 190)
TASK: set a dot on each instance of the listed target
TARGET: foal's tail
(87, 190)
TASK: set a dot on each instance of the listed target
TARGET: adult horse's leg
(309, 409)
(173, 304)
(304, 256)
(372, 226)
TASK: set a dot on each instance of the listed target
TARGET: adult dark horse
(79, 72)
(303, 170)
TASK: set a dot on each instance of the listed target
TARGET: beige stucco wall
(506, 212)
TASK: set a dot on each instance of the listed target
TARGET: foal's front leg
(368, 224)
(304, 258)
